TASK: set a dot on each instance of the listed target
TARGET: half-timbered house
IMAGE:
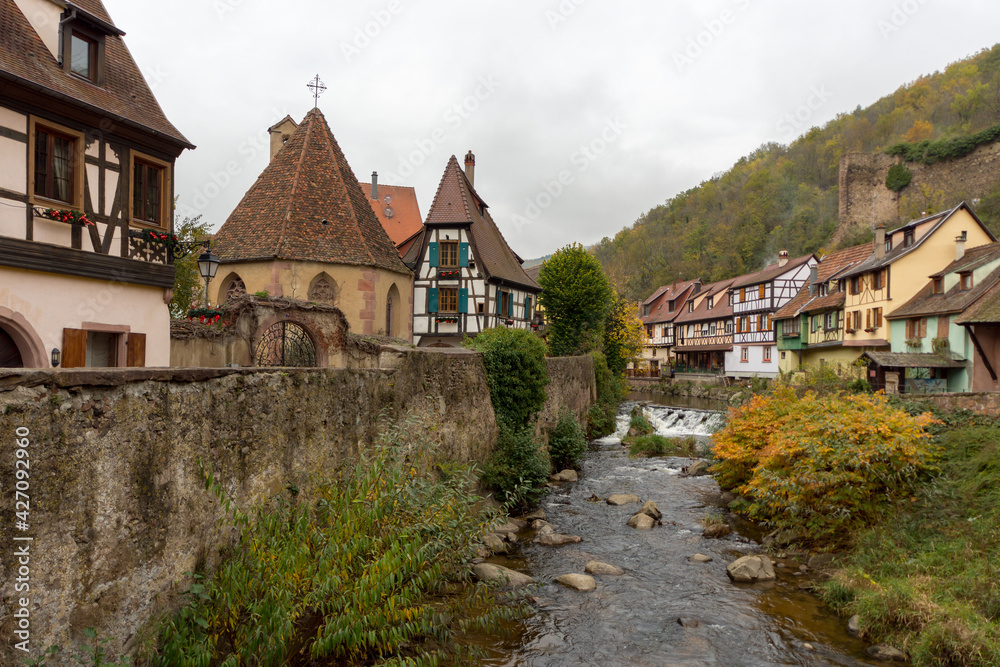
(756, 297)
(658, 314)
(86, 193)
(467, 279)
(703, 331)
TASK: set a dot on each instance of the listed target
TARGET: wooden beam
(46, 258)
(982, 353)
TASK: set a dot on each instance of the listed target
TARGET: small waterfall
(671, 422)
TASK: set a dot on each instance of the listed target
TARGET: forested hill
(786, 196)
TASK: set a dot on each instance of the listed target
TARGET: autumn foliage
(820, 465)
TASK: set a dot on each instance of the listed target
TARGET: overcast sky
(583, 114)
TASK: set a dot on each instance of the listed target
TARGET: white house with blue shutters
(466, 277)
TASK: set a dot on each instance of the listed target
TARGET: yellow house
(898, 268)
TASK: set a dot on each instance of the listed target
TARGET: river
(634, 619)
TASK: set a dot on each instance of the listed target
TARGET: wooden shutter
(463, 300)
(868, 318)
(463, 254)
(136, 351)
(942, 326)
(923, 327)
(499, 302)
(434, 256)
(909, 328)
(74, 352)
(527, 307)
(432, 300)
(510, 305)
(743, 294)
(762, 292)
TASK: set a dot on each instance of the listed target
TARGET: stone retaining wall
(118, 507)
(983, 403)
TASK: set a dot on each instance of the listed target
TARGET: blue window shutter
(463, 300)
(527, 307)
(510, 305)
(463, 254)
(434, 261)
(432, 299)
(499, 302)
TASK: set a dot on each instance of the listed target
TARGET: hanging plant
(71, 217)
(205, 315)
(446, 320)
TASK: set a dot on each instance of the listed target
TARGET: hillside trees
(786, 196)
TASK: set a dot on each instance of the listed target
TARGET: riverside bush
(924, 578)
(821, 465)
(658, 445)
(516, 372)
(567, 443)
(517, 470)
(353, 577)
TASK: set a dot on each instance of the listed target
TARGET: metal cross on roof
(318, 89)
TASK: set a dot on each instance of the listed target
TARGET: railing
(718, 339)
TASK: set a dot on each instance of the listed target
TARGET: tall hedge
(516, 373)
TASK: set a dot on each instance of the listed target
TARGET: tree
(622, 335)
(188, 283)
(577, 297)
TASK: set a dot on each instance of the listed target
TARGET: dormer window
(937, 286)
(823, 289)
(888, 244)
(966, 280)
(82, 45)
(670, 306)
(907, 238)
(690, 306)
(83, 56)
(711, 302)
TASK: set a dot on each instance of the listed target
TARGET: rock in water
(565, 476)
(537, 514)
(716, 530)
(580, 582)
(700, 558)
(510, 527)
(622, 499)
(750, 569)
(650, 509)
(854, 625)
(501, 574)
(883, 652)
(697, 469)
(597, 567)
(557, 540)
(495, 544)
(642, 521)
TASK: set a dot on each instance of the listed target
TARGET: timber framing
(33, 256)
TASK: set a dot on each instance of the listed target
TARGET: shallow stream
(634, 619)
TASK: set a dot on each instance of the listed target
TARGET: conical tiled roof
(456, 202)
(282, 215)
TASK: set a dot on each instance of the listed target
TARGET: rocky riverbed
(659, 591)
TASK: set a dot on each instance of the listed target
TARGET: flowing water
(634, 619)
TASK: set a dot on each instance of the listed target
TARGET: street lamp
(208, 264)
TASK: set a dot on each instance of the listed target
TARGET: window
(237, 288)
(829, 321)
(83, 52)
(83, 56)
(888, 243)
(449, 253)
(965, 282)
(448, 299)
(767, 354)
(761, 291)
(877, 318)
(111, 347)
(670, 305)
(322, 290)
(744, 354)
(856, 285)
(146, 192)
(907, 238)
(704, 329)
(937, 285)
(916, 327)
(150, 190)
(649, 331)
(711, 302)
(690, 306)
(729, 327)
(55, 164)
(791, 327)
(823, 289)
(712, 329)
(876, 280)
(761, 322)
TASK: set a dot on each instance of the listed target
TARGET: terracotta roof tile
(124, 93)
(282, 214)
(683, 290)
(770, 272)
(397, 210)
(456, 202)
(829, 268)
(955, 300)
(721, 308)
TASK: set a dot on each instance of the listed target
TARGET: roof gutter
(183, 143)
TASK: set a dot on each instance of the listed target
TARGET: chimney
(375, 185)
(782, 258)
(280, 132)
(813, 277)
(879, 241)
(960, 245)
(470, 168)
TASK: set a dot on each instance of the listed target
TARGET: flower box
(72, 217)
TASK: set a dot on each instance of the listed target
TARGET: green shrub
(577, 297)
(517, 470)
(639, 425)
(516, 372)
(898, 177)
(353, 577)
(567, 443)
(658, 445)
(929, 152)
(822, 465)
